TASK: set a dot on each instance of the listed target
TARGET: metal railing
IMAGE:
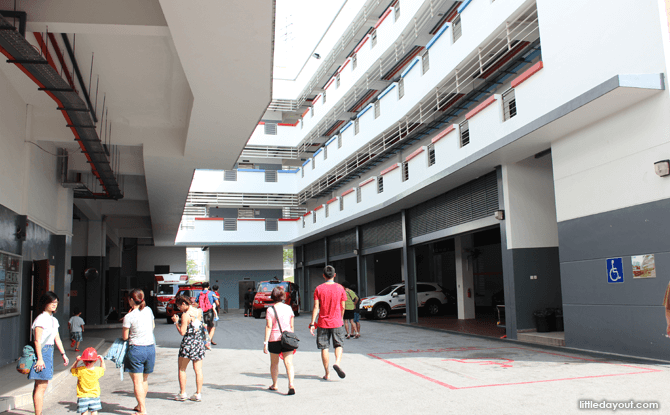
(519, 35)
(202, 199)
(269, 152)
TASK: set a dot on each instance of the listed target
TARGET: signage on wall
(644, 266)
(614, 270)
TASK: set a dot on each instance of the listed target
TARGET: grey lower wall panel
(543, 292)
(228, 282)
(628, 330)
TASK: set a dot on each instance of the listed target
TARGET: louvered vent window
(271, 225)
(405, 171)
(230, 175)
(245, 165)
(313, 217)
(311, 111)
(373, 38)
(302, 122)
(324, 97)
(457, 28)
(401, 88)
(377, 109)
(303, 171)
(465, 133)
(425, 62)
(303, 221)
(327, 209)
(509, 104)
(356, 126)
(270, 128)
(313, 163)
(431, 154)
(396, 11)
(325, 152)
(380, 184)
(337, 80)
(271, 176)
(339, 141)
(245, 213)
(230, 225)
(341, 203)
(354, 61)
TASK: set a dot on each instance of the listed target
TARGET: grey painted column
(305, 283)
(409, 275)
(508, 266)
(464, 277)
(360, 267)
(325, 251)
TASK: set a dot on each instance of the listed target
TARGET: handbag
(289, 340)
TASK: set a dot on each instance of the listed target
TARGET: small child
(76, 326)
(215, 305)
(88, 385)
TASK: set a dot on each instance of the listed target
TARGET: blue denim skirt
(48, 372)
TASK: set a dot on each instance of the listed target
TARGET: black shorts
(208, 318)
(275, 348)
(348, 314)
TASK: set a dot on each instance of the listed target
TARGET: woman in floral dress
(192, 346)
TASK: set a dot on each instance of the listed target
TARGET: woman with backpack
(138, 329)
(192, 347)
(45, 333)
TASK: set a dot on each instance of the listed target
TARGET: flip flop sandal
(339, 371)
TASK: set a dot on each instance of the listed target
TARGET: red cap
(89, 354)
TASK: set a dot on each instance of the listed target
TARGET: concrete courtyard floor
(391, 369)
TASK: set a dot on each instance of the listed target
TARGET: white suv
(391, 299)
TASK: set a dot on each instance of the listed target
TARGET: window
(457, 31)
(396, 11)
(303, 221)
(425, 288)
(431, 154)
(339, 141)
(245, 213)
(230, 175)
(373, 38)
(325, 152)
(314, 217)
(337, 80)
(271, 225)
(509, 104)
(270, 128)
(230, 224)
(341, 203)
(405, 171)
(356, 126)
(302, 171)
(358, 195)
(465, 133)
(377, 108)
(302, 122)
(354, 61)
(401, 88)
(425, 62)
(380, 184)
(324, 97)
(311, 111)
(327, 209)
(313, 162)
(271, 176)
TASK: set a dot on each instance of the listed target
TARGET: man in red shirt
(329, 299)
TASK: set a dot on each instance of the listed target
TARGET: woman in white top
(138, 329)
(45, 333)
(283, 314)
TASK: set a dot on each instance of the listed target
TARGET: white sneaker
(180, 397)
(197, 397)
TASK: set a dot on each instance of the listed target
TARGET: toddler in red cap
(88, 386)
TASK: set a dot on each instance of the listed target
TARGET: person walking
(76, 326)
(357, 313)
(45, 333)
(248, 300)
(192, 347)
(138, 329)
(279, 317)
(329, 302)
(349, 310)
(206, 303)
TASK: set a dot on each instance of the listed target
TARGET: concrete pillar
(464, 277)
(409, 274)
(370, 274)
(360, 267)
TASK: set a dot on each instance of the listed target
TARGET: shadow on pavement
(150, 395)
(267, 376)
(107, 408)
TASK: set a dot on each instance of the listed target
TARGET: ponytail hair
(138, 298)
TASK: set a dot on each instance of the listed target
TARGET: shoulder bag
(289, 340)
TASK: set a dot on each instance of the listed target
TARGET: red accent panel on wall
(442, 134)
(370, 180)
(414, 154)
(480, 107)
(347, 192)
(395, 166)
(530, 72)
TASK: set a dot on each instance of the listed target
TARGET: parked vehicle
(191, 291)
(166, 288)
(262, 296)
(430, 296)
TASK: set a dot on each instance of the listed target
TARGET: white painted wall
(610, 164)
(239, 258)
(530, 206)
(174, 256)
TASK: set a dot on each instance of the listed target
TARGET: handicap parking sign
(614, 270)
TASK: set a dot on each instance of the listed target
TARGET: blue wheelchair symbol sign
(614, 270)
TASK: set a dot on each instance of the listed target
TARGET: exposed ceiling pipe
(75, 66)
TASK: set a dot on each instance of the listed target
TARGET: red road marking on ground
(452, 387)
(503, 363)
